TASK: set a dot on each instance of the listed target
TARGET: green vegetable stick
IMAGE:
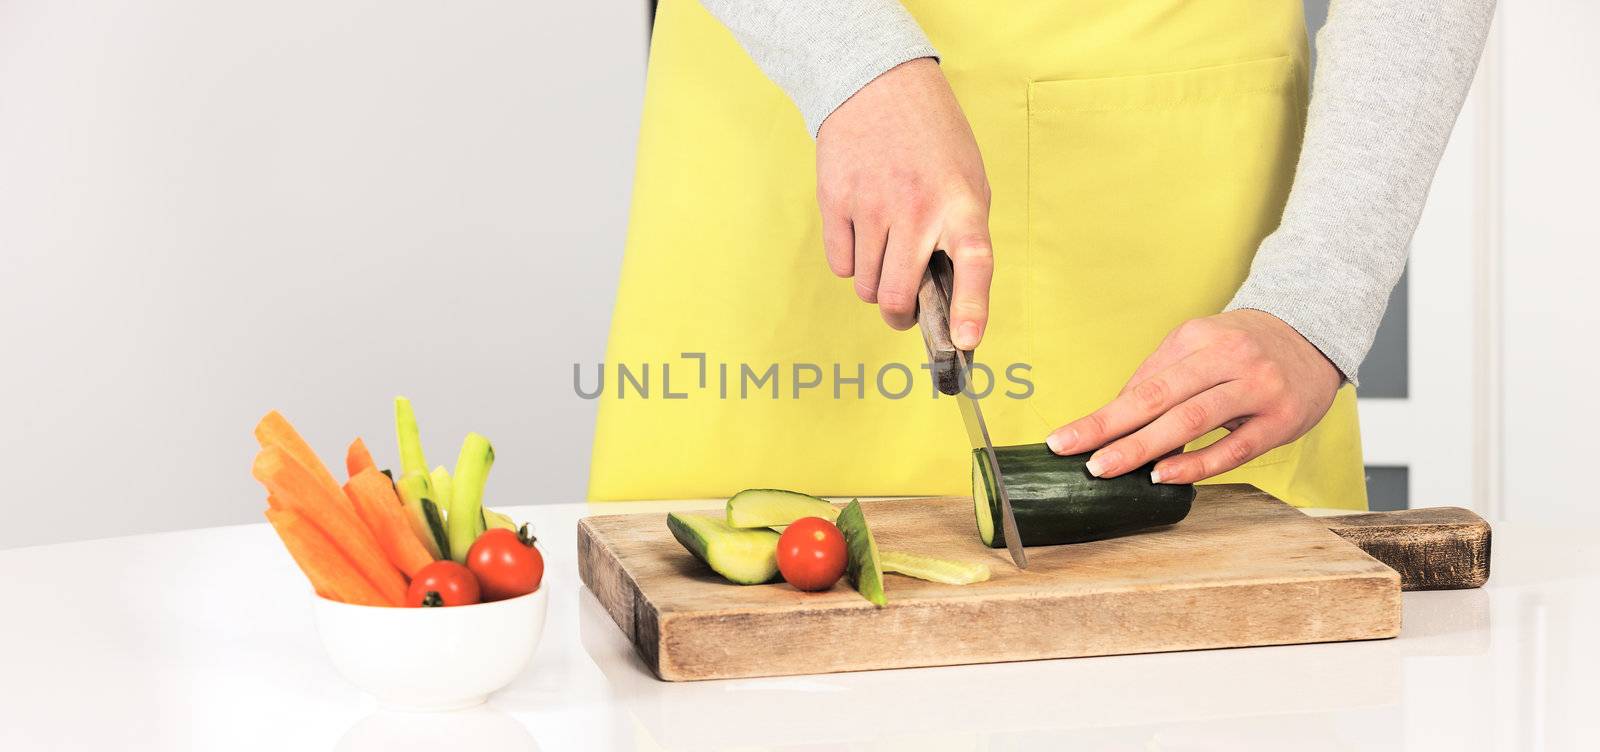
(862, 565)
(493, 519)
(422, 514)
(466, 497)
(441, 486)
(405, 428)
(932, 569)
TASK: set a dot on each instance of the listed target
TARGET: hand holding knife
(952, 371)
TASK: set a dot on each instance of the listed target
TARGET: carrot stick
(379, 507)
(301, 492)
(357, 458)
(275, 430)
(328, 569)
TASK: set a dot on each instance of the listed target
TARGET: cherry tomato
(811, 554)
(443, 583)
(506, 563)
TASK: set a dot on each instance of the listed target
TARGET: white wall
(211, 208)
(1550, 160)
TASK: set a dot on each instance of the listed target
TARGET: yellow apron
(1138, 151)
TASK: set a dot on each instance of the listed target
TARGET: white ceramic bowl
(433, 658)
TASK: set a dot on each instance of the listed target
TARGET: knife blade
(952, 371)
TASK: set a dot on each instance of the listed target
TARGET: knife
(952, 370)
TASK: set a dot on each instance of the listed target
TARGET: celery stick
(466, 497)
(405, 427)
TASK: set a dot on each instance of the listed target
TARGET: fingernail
(1053, 442)
(967, 335)
(1058, 442)
(1100, 463)
(1155, 475)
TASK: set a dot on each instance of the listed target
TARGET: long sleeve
(1390, 81)
(821, 52)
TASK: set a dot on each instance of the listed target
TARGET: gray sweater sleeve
(1390, 81)
(822, 51)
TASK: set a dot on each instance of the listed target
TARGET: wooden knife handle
(933, 317)
(1437, 548)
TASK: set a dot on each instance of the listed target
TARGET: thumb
(972, 259)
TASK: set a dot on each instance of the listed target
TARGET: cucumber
(771, 507)
(405, 429)
(862, 567)
(493, 519)
(436, 525)
(934, 570)
(440, 480)
(423, 514)
(1057, 501)
(743, 557)
(466, 497)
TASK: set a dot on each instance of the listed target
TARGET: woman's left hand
(1244, 370)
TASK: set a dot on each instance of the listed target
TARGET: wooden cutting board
(1242, 569)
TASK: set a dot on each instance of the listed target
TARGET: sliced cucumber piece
(983, 490)
(863, 567)
(437, 526)
(405, 428)
(744, 557)
(416, 495)
(466, 498)
(493, 519)
(772, 507)
(440, 480)
(934, 570)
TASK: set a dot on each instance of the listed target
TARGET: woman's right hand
(898, 177)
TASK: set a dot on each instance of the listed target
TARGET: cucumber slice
(862, 568)
(440, 480)
(743, 557)
(436, 526)
(934, 570)
(983, 490)
(466, 498)
(405, 429)
(772, 507)
(1056, 500)
(422, 514)
(493, 519)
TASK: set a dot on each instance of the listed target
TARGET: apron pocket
(1147, 198)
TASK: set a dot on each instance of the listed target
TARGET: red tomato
(449, 582)
(811, 554)
(506, 563)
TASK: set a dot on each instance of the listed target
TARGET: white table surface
(203, 639)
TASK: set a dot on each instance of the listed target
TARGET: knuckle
(1096, 426)
(895, 302)
(1134, 448)
(873, 210)
(1271, 379)
(1151, 393)
(1238, 450)
(1193, 330)
(1176, 470)
(865, 292)
(916, 205)
(970, 308)
(1194, 417)
(1239, 344)
(829, 198)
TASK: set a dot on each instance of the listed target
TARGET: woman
(1116, 182)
